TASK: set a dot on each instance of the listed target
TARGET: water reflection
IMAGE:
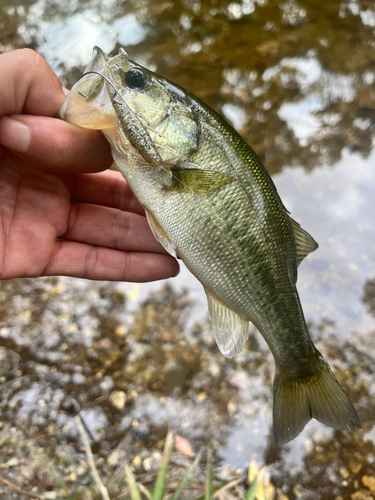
(369, 296)
(296, 78)
(335, 204)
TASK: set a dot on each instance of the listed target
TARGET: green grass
(210, 491)
(172, 481)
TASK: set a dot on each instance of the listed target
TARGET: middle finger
(107, 188)
(110, 227)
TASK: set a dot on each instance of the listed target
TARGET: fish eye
(135, 79)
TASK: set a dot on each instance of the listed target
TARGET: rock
(214, 370)
(137, 461)
(344, 472)
(240, 379)
(81, 469)
(117, 399)
(269, 47)
(202, 396)
(78, 379)
(369, 482)
(356, 463)
(49, 495)
(115, 458)
(13, 462)
(362, 495)
(298, 490)
(152, 463)
(231, 407)
(121, 331)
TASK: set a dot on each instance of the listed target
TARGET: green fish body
(209, 200)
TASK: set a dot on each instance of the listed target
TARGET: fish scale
(209, 200)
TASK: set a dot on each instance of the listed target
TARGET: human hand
(58, 217)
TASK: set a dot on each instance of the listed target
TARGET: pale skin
(61, 211)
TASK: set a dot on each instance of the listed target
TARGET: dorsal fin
(303, 241)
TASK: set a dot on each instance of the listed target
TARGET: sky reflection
(336, 205)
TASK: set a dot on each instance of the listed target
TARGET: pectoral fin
(160, 235)
(303, 241)
(230, 330)
(198, 181)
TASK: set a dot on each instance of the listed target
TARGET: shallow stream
(297, 80)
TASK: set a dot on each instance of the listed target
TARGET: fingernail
(14, 134)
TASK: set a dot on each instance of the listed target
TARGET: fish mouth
(92, 115)
(87, 104)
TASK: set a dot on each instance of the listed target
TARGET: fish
(209, 201)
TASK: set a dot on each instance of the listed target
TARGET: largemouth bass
(209, 200)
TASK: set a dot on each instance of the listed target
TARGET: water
(297, 79)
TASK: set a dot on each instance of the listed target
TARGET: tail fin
(296, 401)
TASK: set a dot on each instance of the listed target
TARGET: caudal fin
(320, 396)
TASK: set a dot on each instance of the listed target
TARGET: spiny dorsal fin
(230, 330)
(303, 241)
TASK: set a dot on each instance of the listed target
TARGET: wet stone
(362, 495)
(369, 482)
(152, 463)
(298, 490)
(356, 463)
(137, 461)
(50, 495)
(117, 399)
(116, 457)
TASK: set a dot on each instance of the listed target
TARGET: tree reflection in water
(296, 78)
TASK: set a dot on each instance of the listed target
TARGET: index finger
(31, 94)
(28, 85)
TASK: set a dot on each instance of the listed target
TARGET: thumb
(55, 145)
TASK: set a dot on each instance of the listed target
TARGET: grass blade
(209, 476)
(90, 458)
(250, 494)
(147, 493)
(17, 489)
(133, 488)
(226, 486)
(162, 474)
(58, 479)
(186, 478)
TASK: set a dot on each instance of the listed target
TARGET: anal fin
(230, 330)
